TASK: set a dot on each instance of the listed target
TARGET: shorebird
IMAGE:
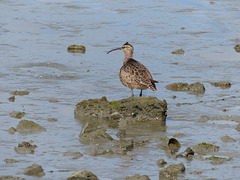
(133, 74)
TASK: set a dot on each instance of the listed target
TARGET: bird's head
(126, 48)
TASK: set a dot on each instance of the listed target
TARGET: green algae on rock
(132, 110)
(178, 51)
(27, 127)
(218, 160)
(76, 49)
(204, 148)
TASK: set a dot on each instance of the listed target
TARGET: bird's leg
(132, 92)
(140, 93)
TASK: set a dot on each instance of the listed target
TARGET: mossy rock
(26, 127)
(204, 148)
(34, 170)
(76, 49)
(221, 84)
(133, 110)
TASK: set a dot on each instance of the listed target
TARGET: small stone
(11, 178)
(237, 48)
(53, 100)
(161, 162)
(172, 171)
(75, 155)
(11, 99)
(76, 49)
(12, 130)
(52, 119)
(227, 139)
(10, 161)
(17, 114)
(179, 51)
(83, 175)
(26, 127)
(204, 148)
(222, 84)
(25, 148)
(19, 93)
(34, 170)
(137, 177)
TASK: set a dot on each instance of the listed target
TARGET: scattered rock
(12, 130)
(11, 99)
(137, 177)
(17, 114)
(130, 111)
(25, 148)
(10, 161)
(227, 139)
(53, 100)
(83, 175)
(52, 119)
(34, 170)
(179, 51)
(237, 48)
(76, 49)
(161, 162)
(171, 172)
(10, 178)
(26, 127)
(222, 84)
(195, 88)
(19, 93)
(238, 127)
(75, 155)
(204, 148)
(218, 160)
(188, 153)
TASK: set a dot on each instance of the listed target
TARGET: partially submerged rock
(11, 99)
(188, 153)
(83, 175)
(10, 178)
(237, 48)
(221, 84)
(76, 49)
(12, 130)
(130, 110)
(26, 127)
(178, 51)
(161, 162)
(227, 139)
(195, 88)
(171, 172)
(25, 148)
(19, 93)
(17, 114)
(137, 177)
(218, 160)
(34, 170)
(10, 161)
(75, 155)
(204, 148)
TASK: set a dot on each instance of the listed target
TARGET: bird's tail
(152, 85)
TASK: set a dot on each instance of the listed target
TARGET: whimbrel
(133, 74)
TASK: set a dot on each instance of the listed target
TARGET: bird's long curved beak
(114, 50)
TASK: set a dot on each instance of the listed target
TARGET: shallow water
(34, 37)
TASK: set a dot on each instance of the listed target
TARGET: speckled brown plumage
(133, 74)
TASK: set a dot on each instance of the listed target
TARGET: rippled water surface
(34, 36)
